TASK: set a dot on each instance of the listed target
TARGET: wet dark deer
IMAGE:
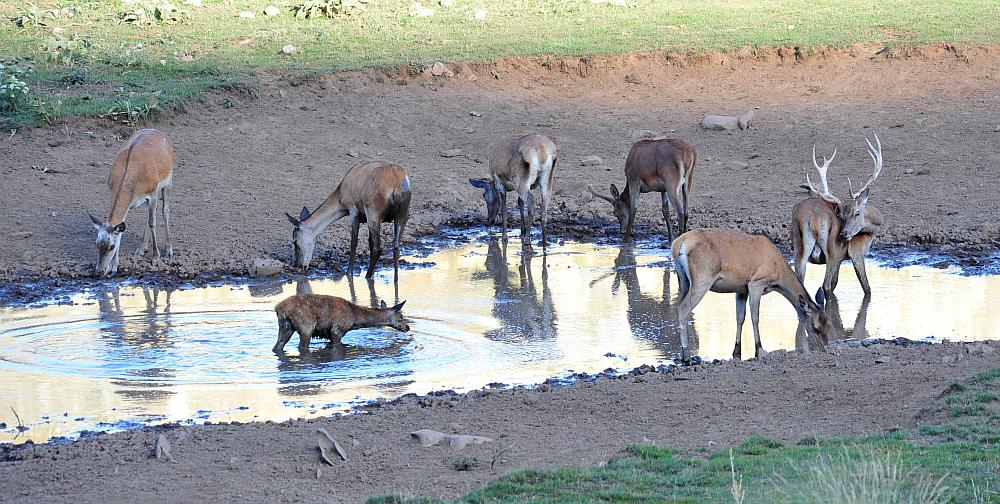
(750, 266)
(665, 166)
(371, 193)
(141, 174)
(826, 230)
(520, 164)
(330, 317)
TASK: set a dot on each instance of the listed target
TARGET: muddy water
(480, 313)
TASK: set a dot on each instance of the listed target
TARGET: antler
(825, 193)
(876, 155)
(609, 199)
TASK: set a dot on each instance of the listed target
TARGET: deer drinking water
(665, 166)
(370, 193)
(826, 230)
(330, 317)
(142, 173)
(750, 266)
(520, 163)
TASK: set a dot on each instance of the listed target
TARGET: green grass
(226, 50)
(956, 459)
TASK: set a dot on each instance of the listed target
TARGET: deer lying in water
(826, 230)
(750, 266)
(520, 164)
(665, 166)
(142, 173)
(330, 317)
(370, 193)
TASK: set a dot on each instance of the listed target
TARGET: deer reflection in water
(522, 315)
(650, 318)
(832, 308)
(143, 338)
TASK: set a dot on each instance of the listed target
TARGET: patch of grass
(464, 464)
(957, 460)
(188, 50)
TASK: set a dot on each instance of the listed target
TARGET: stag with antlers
(827, 230)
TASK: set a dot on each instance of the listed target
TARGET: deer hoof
(170, 255)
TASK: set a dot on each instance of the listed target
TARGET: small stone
(162, 449)
(247, 15)
(633, 79)
(262, 267)
(55, 143)
(271, 10)
(475, 114)
(591, 161)
(353, 153)
(451, 153)
(746, 119)
(326, 445)
(186, 57)
(924, 171)
(439, 69)
(997, 128)
(908, 171)
(480, 14)
(233, 464)
(737, 165)
(717, 122)
(21, 235)
(288, 49)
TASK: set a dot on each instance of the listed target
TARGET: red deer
(826, 230)
(142, 173)
(665, 166)
(330, 317)
(372, 193)
(520, 163)
(750, 266)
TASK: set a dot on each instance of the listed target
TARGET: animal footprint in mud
(428, 438)
(326, 444)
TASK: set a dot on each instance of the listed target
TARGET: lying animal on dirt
(665, 166)
(142, 173)
(826, 230)
(721, 260)
(330, 317)
(519, 164)
(370, 193)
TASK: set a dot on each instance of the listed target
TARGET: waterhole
(479, 313)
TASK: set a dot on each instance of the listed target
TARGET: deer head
(492, 197)
(395, 316)
(108, 240)
(816, 321)
(851, 212)
(303, 240)
(619, 203)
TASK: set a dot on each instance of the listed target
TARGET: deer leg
(355, 228)
(755, 294)
(152, 225)
(397, 235)
(166, 222)
(520, 209)
(529, 201)
(699, 288)
(375, 244)
(144, 245)
(114, 262)
(503, 209)
(633, 204)
(859, 269)
(665, 208)
(285, 330)
(802, 256)
(832, 266)
(545, 189)
(741, 315)
(305, 336)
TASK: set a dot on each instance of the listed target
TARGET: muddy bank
(788, 396)
(244, 160)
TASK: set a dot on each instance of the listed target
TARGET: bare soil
(244, 160)
(787, 396)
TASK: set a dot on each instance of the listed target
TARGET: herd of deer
(825, 229)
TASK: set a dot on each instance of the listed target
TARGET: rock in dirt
(327, 446)
(475, 114)
(591, 161)
(428, 438)
(162, 449)
(439, 69)
(451, 153)
(271, 10)
(288, 49)
(720, 122)
(262, 267)
(353, 153)
(20, 235)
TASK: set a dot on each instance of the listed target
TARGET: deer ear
(295, 222)
(820, 297)
(97, 222)
(304, 214)
(804, 303)
(863, 197)
(614, 192)
(383, 305)
(120, 228)
(399, 306)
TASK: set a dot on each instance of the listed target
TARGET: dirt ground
(244, 160)
(849, 390)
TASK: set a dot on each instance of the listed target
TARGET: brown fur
(750, 266)
(512, 168)
(329, 317)
(655, 166)
(371, 193)
(815, 221)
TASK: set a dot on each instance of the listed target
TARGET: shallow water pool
(480, 313)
